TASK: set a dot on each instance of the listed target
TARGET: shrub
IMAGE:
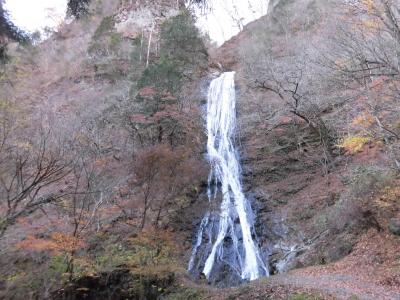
(180, 40)
(58, 265)
(354, 144)
(105, 40)
(182, 51)
(163, 75)
(152, 252)
(160, 115)
(356, 209)
(114, 255)
(364, 180)
(155, 252)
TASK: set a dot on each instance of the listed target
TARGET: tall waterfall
(228, 233)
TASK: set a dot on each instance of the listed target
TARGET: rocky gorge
(123, 91)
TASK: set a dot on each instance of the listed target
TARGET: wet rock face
(280, 178)
(222, 275)
(225, 272)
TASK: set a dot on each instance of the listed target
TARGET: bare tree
(368, 42)
(364, 58)
(26, 179)
(83, 200)
(293, 79)
(163, 177)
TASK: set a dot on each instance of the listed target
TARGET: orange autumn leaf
(38, 245)
(364, 120)
(59, 242)
(101, 163)
(67, 242)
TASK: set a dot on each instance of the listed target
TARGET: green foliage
(115, 40)
(3, 224)
(105, 40)
(181, 47)
(3, 54)
(106, 26)
(164, 75)
(58, 265)
(180, 40)
(8, 29)
(39, 278)
(154, 252)
(10, 32)
(157, 115)
(114, 255)
(150, 252)
(136, 49)
(78, 8)
(148, 256)
(13, 278)
(181, 52)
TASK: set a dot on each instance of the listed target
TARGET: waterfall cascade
(225, 238)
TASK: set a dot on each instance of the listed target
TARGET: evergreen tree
(78, 8)
(8, 31)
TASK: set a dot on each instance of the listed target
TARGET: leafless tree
(297, 83)
(26, 179)
(162, 178)
(364, 57)
(368, 42)
(83, 200)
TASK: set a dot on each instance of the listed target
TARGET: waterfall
(229, 231)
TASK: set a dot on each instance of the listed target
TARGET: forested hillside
(103, 151)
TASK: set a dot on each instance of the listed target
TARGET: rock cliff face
(119, 85)
(300, 199)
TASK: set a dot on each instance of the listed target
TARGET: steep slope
(117, 98)
(317, 205)
(108, 100)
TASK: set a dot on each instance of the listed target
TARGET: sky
(32, 15)
(227, 17)
(223, 21)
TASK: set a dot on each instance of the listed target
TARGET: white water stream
(234, 221)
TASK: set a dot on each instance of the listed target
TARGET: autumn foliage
(163, 179)
(58, 243)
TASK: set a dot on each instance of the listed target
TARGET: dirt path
(340, 286)
(321, 287)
